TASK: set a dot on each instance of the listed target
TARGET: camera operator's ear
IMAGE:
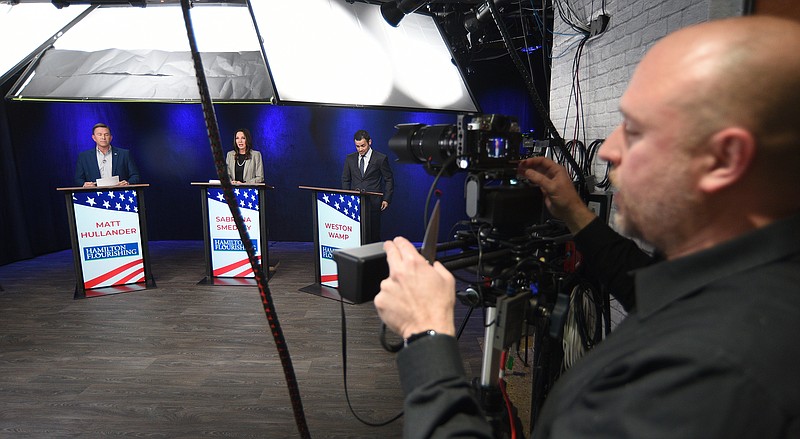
(728, 156)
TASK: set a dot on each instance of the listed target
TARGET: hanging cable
(344, 375)
(506, 400)
(543, 113)
(227, 189)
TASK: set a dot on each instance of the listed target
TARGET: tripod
(504, 325)
(501, 321)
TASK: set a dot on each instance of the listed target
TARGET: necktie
(361, 166)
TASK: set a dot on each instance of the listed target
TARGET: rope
(219, 163)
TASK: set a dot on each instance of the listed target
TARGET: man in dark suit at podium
(104, 161)
(368, 170)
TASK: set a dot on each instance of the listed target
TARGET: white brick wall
(609, 59)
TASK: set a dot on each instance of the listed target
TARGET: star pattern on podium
(246, 198)
(108, 200)
(347, 205)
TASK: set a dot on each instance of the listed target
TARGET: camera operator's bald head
(741, 72)
(709, 143)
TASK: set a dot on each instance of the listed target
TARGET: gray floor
(190, 361)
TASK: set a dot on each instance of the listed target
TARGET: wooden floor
(190, 361)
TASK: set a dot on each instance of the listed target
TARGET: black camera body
(489, 142)
(488, 148)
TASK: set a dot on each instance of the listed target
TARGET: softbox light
(335, 52)
(142, 54)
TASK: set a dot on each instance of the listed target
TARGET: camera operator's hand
(560, 195)
(416, 296)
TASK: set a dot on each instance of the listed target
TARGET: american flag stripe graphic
(229, 270)
(329, 278)
(135, 276)
(132, 271)
(116, 289)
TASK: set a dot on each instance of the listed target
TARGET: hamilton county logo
(111, 251)
(232, 245)
(327, 252)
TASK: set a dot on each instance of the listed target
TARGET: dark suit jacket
(122, 165)
(378, 177)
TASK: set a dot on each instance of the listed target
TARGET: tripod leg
(490, 368)
(501, 413)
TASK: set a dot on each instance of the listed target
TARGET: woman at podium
(245, 165)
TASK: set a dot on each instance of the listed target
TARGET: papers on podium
(109, 181)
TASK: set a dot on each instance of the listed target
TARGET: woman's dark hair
(248, 141)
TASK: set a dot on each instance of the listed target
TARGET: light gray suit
(253, 168)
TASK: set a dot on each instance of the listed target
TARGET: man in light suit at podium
(105, 161)
(368, 170)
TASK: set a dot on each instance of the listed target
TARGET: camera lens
(419, 143)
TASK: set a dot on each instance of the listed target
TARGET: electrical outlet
(599, 25)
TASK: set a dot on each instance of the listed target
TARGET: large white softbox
(325, 52)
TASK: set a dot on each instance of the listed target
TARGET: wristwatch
(414, 337)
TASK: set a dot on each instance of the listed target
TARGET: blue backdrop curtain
(15, 237)
(39, 142)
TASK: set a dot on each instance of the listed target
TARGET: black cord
(543, 113)
(575, 91)
(577, 26)
(592, 150)
(588, 338)
(432, 189)
(344, 376)
(579, 115)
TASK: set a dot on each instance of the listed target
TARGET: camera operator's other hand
(561, 198)
(416, 296)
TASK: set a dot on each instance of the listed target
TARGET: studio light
(394, 11)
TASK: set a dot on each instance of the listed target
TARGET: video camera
(523, 263)
(506, 215)
(481, 143)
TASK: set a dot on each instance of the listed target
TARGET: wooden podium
(341, 220)
(226, 259)
(108, 230)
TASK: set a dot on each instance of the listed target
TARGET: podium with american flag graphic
(227, 262)
(341, 220)
(108, 231)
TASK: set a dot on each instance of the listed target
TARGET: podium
(108, 230)
(341, 220)
(226, 259)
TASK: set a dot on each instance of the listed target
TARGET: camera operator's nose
(610, 149)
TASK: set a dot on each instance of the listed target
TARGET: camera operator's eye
(629, 130)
